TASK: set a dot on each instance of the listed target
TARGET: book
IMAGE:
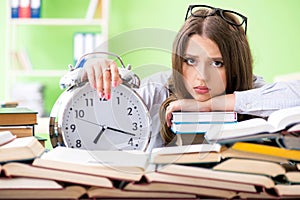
(21, 149)
(24, 9)
(198, 181)
(78, 45)
(95, 192)
(35, 8)
(14, 5)
(197, 128)
(9, 104)
(17, 116)
(251, 167)
(27, 183)
(25, 170)
(19, 131)
(244, 182)
(233, 153)
(267, 150)
(6, 137)
(287, 191)
(277, 121)
(187, 154)
(185, 189)
(290, 139)
(110, 164)
(29, 188)
(199, 117)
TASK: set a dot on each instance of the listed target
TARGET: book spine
(35, 8)
(24, 9)
(14, 4)
(78, 42)
(89, 42)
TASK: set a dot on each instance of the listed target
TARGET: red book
(24, 10)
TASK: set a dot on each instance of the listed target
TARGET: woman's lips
(201, 89)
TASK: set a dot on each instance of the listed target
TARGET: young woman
(211, 70)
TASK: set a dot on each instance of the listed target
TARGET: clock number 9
(73, 127)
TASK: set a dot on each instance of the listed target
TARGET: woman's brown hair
(233, 46)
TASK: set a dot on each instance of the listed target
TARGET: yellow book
(267, 150)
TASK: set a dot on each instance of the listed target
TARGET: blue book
(35, 8)
(14, 4)
(197, 128)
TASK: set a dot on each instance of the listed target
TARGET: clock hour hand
(99, 135)
(118, 130)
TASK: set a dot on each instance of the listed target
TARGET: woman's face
(203, 69)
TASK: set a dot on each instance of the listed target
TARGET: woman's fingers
(101, 74)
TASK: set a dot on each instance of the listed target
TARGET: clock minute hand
(118, 130)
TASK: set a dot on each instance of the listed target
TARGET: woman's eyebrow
(197, 56)
(215, 58)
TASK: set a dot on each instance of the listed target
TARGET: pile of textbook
(200, 122)
(223, 127)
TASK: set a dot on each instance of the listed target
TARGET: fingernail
(108, 97)
(101, 95)
(115, 83)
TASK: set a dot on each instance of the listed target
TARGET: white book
(78, 45)
(198, 128)
(89, 43)
(195, 117)
(277, 121)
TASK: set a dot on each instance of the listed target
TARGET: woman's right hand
(101, 74)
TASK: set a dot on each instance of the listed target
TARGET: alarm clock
(81, 119)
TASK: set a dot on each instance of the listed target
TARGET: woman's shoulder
(258, 81)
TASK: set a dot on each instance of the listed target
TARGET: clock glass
(89, 122)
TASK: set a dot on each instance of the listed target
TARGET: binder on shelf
(86, 43)
(91, 11)
(24, 9)
(89, 42)
(78, 47)
(14, 4)
(35, 8)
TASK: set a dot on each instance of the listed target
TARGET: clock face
(90, 122)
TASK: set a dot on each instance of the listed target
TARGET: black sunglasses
(218, 11)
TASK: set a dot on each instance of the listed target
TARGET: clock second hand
(107, 127)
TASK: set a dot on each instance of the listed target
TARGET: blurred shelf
(58, 22)
(40, 73)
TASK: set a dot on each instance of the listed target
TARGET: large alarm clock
(80, 119)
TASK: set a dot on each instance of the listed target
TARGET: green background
(273, 33)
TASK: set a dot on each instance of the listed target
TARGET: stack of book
(282, 126)
(243, 170)
(18, 120)
(200, 122)
(235, 173)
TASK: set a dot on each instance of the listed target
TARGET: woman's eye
(217, 64)
(190, 61)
